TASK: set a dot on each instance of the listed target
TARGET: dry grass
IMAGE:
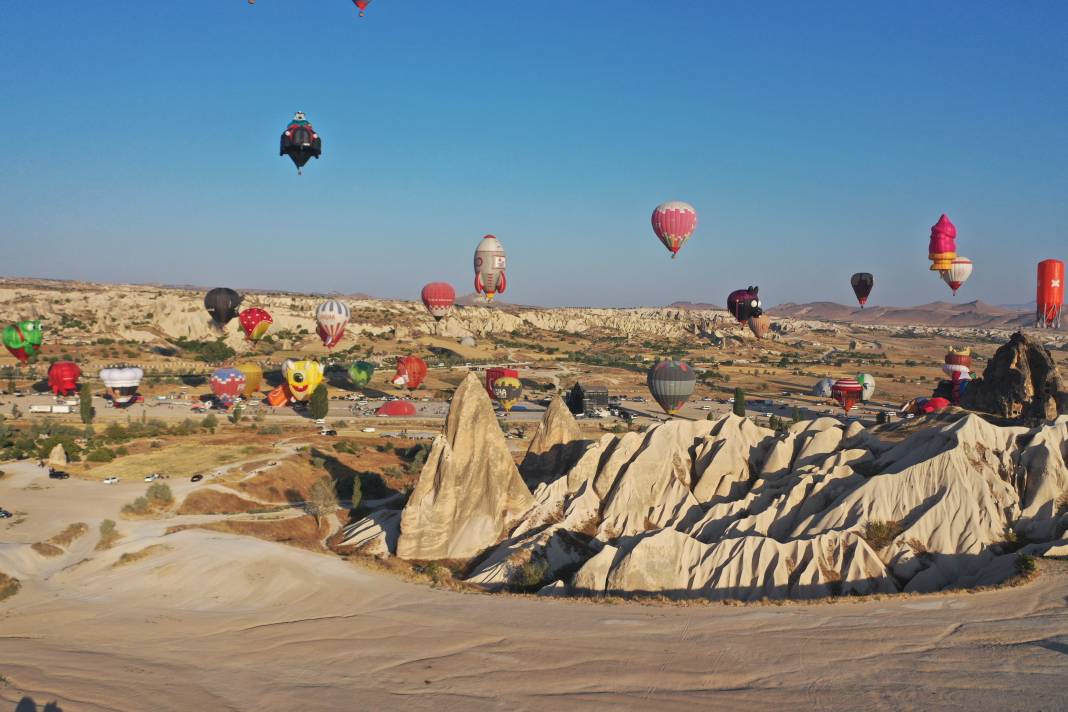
(180, 460)
(69, 535)
(300, 532)
(9, 586)
(879, 534)
(47, 550)
(134, 556)
(209, 501)
(108, 535)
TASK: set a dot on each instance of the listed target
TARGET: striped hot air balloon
(671, 383)
(673, 223)
(438, 298)
(958, 273)
(760, 325)
(330, 319)
(847, 391)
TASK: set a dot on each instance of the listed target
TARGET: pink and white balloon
(673, 223)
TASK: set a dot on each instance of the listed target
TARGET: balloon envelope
(760, 325)
(822, 389)
(24, 339)
(227, 384)
(330, 319)
(360, 373)
(302, 378)
(847, 391)
(958, 273)
(255, 322)
(411, 370)
(63, 377)
(507, 390)
(397, 409)
(867, 386)
(862, 283)
(222, 304)
(744, 303)
(253, 377)
(121, 383)
(671, 383)
(674, 223)
(438, 298)
(1049, 300)
(490, 266)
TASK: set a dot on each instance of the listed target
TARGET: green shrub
(879, 534)
(530, 576)
(101, 454)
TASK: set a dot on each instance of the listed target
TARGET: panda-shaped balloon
(744, 304)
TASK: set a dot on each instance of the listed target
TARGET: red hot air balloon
(227, 384)
(411, 370)
(63, 377)
(438, 298)
(361, 5)
(847, 391)
(1050, 298)
(255, 322)
(673, 223)
(492, 374)
(397, 409)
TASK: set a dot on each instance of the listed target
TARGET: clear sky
(814, 138)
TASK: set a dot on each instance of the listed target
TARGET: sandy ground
(221, 622)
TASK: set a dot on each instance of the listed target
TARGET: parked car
(196, 478)
(151, 478)
(113, 480)
(4, 514)
(58, 474)
(367, 430)
(329, 432)
(320, 421)
(706, 407)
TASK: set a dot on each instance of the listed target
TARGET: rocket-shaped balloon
(489, 267)
(943, 247)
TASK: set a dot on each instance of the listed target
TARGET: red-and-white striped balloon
(438, 298)
(330, 318)
(958, 273)
(674, 222)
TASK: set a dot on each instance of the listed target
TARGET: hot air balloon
(671, 383)
(490, 263)
(222, 304)
(227, 384)
(411, 370)
(943, 245)
(933, 405)
(1050, 297)
(255, 322)
(492, 374)
(867, 386)
(958, 364)
(361, 5)
(63, 378)
(121, 383)
(302, 378)
(397, 409)
(847, 392)
(438, 298)
(760, 325)
(958, 273)
(862, 283)
(823, 387)
(24, 339)
(253, 378)
(360, 373)
(507, 390)
(300, 142)
(744, 303)
(673, 223)
(330, 318)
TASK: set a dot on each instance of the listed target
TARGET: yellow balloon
(302, 377)
(253, 377)
(507, 390)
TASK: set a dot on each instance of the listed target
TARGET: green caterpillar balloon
(360, 373)
(24, 339)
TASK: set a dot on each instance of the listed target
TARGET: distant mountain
(968, 314)
(696, 305)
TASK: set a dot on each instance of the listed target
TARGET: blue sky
(814, 139)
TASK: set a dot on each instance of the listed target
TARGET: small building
(587, 397)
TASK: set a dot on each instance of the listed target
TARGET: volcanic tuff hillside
(727, 509)
(969, 314)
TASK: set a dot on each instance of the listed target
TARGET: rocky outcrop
(470, 494)
(557, 445)
(1020, 381)
(58, 456)
(374, 535)
(727, 509)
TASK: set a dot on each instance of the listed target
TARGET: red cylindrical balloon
(438, 298)
(1050, 298)
(847, 392)
(63, 377)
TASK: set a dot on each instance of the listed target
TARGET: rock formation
(556, 447)
(1020, 381)
(469, 494)
(58, 456)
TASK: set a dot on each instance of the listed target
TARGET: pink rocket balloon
(943, 246)
(674, 222)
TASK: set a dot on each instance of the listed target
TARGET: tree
(320, 402)
(237, 414)
(795, 415)
(322, 499)
(739, 402)
(210, 422)
(85, 406)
